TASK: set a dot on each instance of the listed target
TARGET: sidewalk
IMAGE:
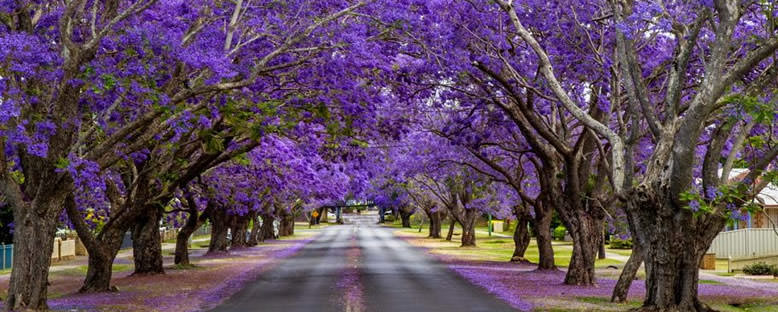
(211, 279)
(123, 257)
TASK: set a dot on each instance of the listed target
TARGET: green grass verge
(496, 248)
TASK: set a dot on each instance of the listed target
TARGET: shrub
(559, 232)
(617, 243)
(760, 268)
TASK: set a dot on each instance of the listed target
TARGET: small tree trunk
(193, 222)
(99, 271)
(240, 226)
(468, 227)
(290, 227)
(520, 234)
(101, 257)
(219, 226)
(586, 232)
(102, 249)
(628, 273)
(268, 232)
(254, 235)
(147, 244)
(601, 251)
(451, 229)
(381, 216)
(33, 244)
(543, 218)
(435, 224)
(286, 226)
(406, 218)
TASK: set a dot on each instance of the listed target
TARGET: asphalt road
(394, 276)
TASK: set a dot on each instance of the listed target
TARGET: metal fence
(745, 243)
(7, 256)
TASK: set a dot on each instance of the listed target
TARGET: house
(768, 199)
(753, 239)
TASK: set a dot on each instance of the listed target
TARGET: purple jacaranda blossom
(694, 205)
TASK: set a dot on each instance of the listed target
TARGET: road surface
(392, 276)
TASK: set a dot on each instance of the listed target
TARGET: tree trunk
(240, 225)
(219, 226)
(628, 273)
(586, 231)
(254, 235)
(33, 245)
(406, 218)
(601, 250)
(101, 257)
(450, 234)
(99, 270)
(435, 224)
(468, 227)
(520, 234)
(673, 242)
(286, 226)
(543, 216)
(193, 222)
(147, 244)
(268, 232)
(101, 249)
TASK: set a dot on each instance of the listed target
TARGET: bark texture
(239, 229)
(451, 225)
(521, 234)
(663, 228)
(255, 227)
(436, 223)
(267, 231)
(468, 227)
(286, 224)
(147, 244)
(103, 247)
(586, 234)
(628, 273)
(543, 217)
(406, 218)
(193, 222)
(29, 277)
(219, 225)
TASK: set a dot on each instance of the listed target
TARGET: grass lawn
(196, 237)
(493, 253)
(494, 248)
(621, 252)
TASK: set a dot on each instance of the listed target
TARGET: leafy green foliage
(617, 243)
(760, 268)
(559, 232)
